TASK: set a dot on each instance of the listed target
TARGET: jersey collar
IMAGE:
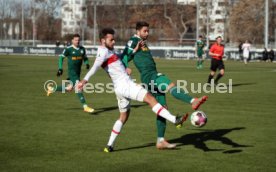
(135, 35)
(77, 48)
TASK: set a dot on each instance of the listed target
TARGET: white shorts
(128, 90)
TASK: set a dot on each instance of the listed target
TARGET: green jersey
(199, 46)
(75, 57)
(142, 59)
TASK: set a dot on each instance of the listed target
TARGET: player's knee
(124, 116)
(212, 73)
(222, 72)
(150, 99)
(69, 88)
(171, 85)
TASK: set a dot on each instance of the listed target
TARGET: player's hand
(59, 72)
(128, 71)
(81, 84)
(139, 45)
(87, 66)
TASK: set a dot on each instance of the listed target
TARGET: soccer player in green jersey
(75, 54)
(199, 51)
(145, 64)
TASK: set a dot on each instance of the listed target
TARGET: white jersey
(125, 89)
(111, 63)
(246, 49)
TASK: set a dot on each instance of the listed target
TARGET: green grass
(39, 133)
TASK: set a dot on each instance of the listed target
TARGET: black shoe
(108, 149)
(180, 120)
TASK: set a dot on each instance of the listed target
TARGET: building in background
(216, 17)
(73, 14)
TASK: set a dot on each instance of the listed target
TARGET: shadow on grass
(105, 109)
(242, 84)
(198, 140)
(98, 111)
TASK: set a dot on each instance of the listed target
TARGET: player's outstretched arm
(60, 65)
(81, 84)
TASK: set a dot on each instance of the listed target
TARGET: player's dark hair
(141, 24)
(75, 35)
(200, 36)
(106, 31)
(218, 37)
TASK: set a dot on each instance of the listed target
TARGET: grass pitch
(39, 133)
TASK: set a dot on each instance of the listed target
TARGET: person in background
(246, 51)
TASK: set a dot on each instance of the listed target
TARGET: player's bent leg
(197, 102)
(116, 130)
(75, 80)
(211, 76)
(221, 74)
(180, 94)
(161, 142)
(165, 84)
(159, 110)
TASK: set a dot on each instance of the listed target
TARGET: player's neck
(136, 35)
(76, 47)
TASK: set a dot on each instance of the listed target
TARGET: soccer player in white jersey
(246, 51)
(125, 89)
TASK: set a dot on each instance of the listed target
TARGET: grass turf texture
(39, 133)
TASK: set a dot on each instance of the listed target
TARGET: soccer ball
(198, 119)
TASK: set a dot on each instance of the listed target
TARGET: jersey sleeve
(65, 52)
(84, 56)
(212, 49)
(128, 53)
(100, 59)
(60, 61)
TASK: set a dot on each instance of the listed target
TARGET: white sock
(192, 100)
(160, 139)
(161, 111)
(115, 132)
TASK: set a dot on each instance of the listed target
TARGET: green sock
(179, 94)
(161, 126)
(81, 97)
(197, 63)
(59, 88)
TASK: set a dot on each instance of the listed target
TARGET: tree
(247, 21)
(180, 18)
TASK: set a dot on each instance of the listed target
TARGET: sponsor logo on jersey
(129, 43)
(76, 58)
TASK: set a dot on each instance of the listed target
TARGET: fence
(160, 52)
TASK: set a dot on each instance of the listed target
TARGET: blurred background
(172, 22)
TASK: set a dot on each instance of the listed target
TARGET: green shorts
(199, 55)
(74, 78)
(162, 82)
(160, 97)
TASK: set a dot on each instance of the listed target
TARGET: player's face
(219, 40)
(143, 32)
(76, 41)
(109, 41)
